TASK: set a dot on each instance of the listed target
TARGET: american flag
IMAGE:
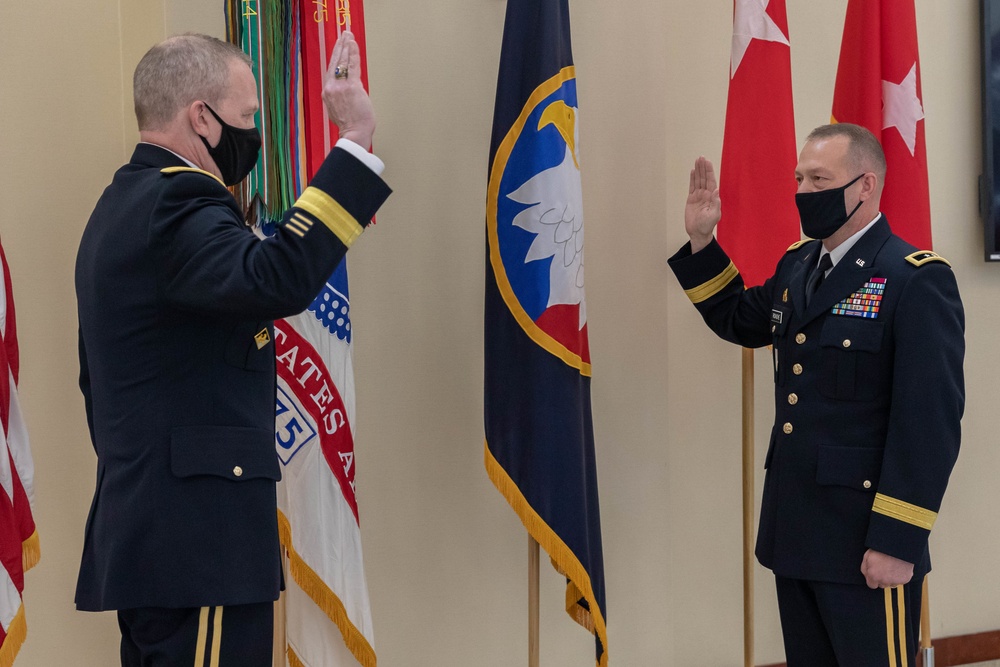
(19, 546)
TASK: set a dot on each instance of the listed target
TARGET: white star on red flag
(902, 108)
(750, 22)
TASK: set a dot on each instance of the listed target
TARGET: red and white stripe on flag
(878, 87)
(19, 546)
(757, 171)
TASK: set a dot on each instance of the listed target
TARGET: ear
(197, 116)
(869, 183)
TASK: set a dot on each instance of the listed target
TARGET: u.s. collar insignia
(784, 296)
(860, 262)
(863, 303)
(262, 338)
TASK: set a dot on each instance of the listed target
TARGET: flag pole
(280, 646)
(532, 601)
(925, 627)
(748, 500)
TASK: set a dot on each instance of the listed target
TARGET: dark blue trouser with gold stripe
(847, 625)
(235, 636)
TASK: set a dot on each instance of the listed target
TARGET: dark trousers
(236, 636)
(847, 625)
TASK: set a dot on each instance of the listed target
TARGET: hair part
(178, 71)
(863, 149)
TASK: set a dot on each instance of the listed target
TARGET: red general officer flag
(757, 173)
(878, 86)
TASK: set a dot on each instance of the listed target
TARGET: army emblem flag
(328, 617)
(539, 449)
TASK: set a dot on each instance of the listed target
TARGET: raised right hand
(347, 103)
(704, 208)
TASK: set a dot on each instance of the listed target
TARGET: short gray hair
(863, 150)
(178, 71)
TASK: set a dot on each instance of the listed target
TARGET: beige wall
(445, 557)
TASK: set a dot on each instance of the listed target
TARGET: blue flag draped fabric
(539, 435)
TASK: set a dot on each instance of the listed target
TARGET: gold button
(793, 399)
(867, 484)
(847, 342)
(800, 338)
(797, 369)
(238, 471)
(787, 428)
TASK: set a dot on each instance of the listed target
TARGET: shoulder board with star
(798, 244)
(190, 170)
(921, 257)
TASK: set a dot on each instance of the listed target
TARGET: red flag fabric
(19, 545)
(878, 87)
(321, 26)
(757, 172)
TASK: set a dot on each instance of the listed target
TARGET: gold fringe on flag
(578, 586)
(293, 660)
(16, 633)
(324, 598)
(31, 551)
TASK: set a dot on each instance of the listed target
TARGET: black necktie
(815, 278)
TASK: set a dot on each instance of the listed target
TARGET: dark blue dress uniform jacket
(867, 408)
(176, 298)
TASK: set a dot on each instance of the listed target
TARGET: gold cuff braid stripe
(326, 209)
(903, 511)
(709, 289)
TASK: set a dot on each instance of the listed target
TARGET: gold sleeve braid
(712, 287)
(904, 511)
(326, 209)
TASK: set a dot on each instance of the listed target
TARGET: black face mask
(822, 213)
(236, 153)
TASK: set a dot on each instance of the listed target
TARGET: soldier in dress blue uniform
(176, 298)
(867, 334)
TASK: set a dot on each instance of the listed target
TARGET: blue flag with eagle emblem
(539, 434)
